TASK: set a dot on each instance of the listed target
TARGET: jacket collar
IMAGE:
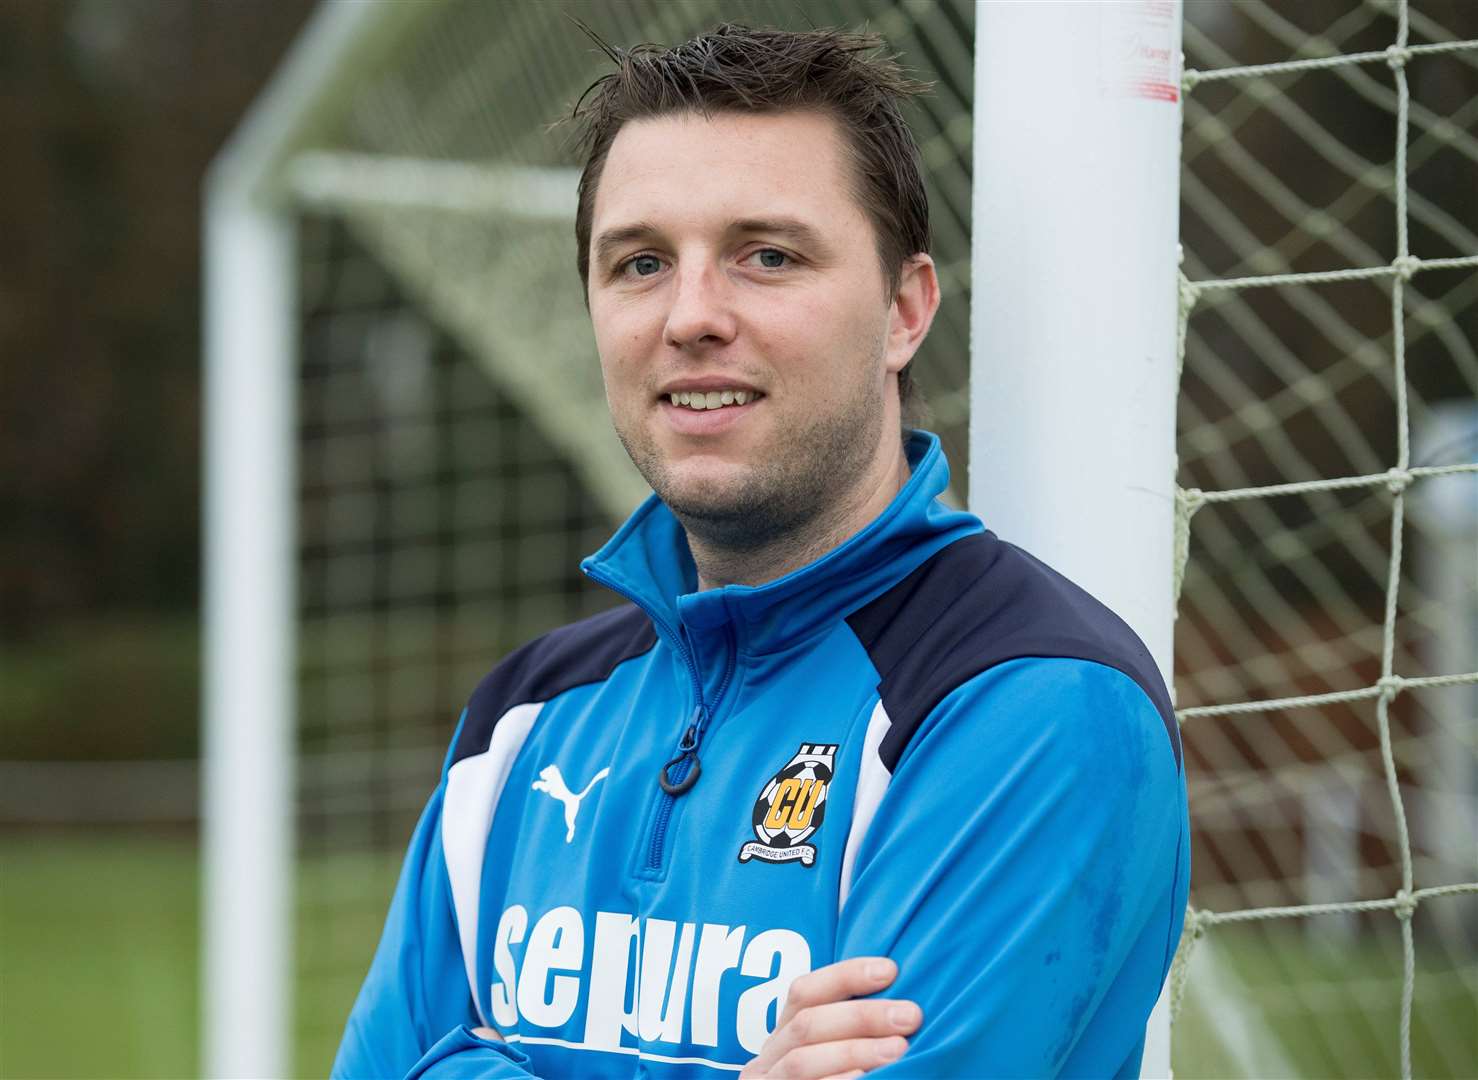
(648, 562)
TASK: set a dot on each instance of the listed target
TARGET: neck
(719, 564)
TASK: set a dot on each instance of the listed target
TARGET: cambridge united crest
(791, 807)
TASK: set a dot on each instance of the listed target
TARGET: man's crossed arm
(828, 1028)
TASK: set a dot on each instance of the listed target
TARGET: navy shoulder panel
(977, 603)
(583, 652)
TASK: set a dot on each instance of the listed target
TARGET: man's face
(731, 266)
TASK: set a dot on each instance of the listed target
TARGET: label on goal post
(1139, 50)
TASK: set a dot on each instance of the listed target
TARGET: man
(840, 729)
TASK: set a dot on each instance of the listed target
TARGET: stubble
(793, 492)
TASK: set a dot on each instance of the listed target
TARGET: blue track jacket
(925, 745)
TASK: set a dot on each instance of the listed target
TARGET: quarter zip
(681, 771)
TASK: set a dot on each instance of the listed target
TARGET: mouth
(704, 400)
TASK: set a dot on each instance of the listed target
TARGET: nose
(701, 314)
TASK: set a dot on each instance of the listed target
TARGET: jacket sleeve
(414, 1011)
(1027, 868)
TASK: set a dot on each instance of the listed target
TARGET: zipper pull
(687, 750)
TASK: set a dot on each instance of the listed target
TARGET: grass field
(98, 946)
(99, 953)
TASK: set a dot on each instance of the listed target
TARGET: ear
(912, 311)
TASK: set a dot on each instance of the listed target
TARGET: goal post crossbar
(335, 180)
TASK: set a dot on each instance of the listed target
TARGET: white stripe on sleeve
(473, 786)
(872, 783)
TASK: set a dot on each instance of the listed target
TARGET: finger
(857, 977)
(841, 1020)
(841, 981)
(853, 1075)
(828, 1059)
(487, 1033)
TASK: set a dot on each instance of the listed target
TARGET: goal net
(1327, 655)
(455, 461)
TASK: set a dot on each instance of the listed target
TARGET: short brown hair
(735, 68)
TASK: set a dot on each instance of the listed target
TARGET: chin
(710, 490)
(739, 508)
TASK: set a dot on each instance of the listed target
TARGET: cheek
(822, 338)
(623, 332)
(795, 333)
(618, 344)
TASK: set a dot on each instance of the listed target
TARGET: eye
(641, 265)
(771, 258)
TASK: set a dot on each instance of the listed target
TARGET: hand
(824, 1033)
(488, 1033)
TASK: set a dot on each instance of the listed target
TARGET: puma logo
(551, 783)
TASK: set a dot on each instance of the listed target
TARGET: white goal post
(249, 489)
(1073, 322)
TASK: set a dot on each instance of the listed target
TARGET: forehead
(690, 168)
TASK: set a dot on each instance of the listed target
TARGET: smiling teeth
(712, 399)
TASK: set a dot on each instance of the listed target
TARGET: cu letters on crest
(791, 807)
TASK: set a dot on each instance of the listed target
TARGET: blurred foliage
(101, 688)
(111, 111)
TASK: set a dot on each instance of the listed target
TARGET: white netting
(439, 529)
(1325, 690)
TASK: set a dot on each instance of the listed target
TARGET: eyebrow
(608, 242)
(792, 228)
